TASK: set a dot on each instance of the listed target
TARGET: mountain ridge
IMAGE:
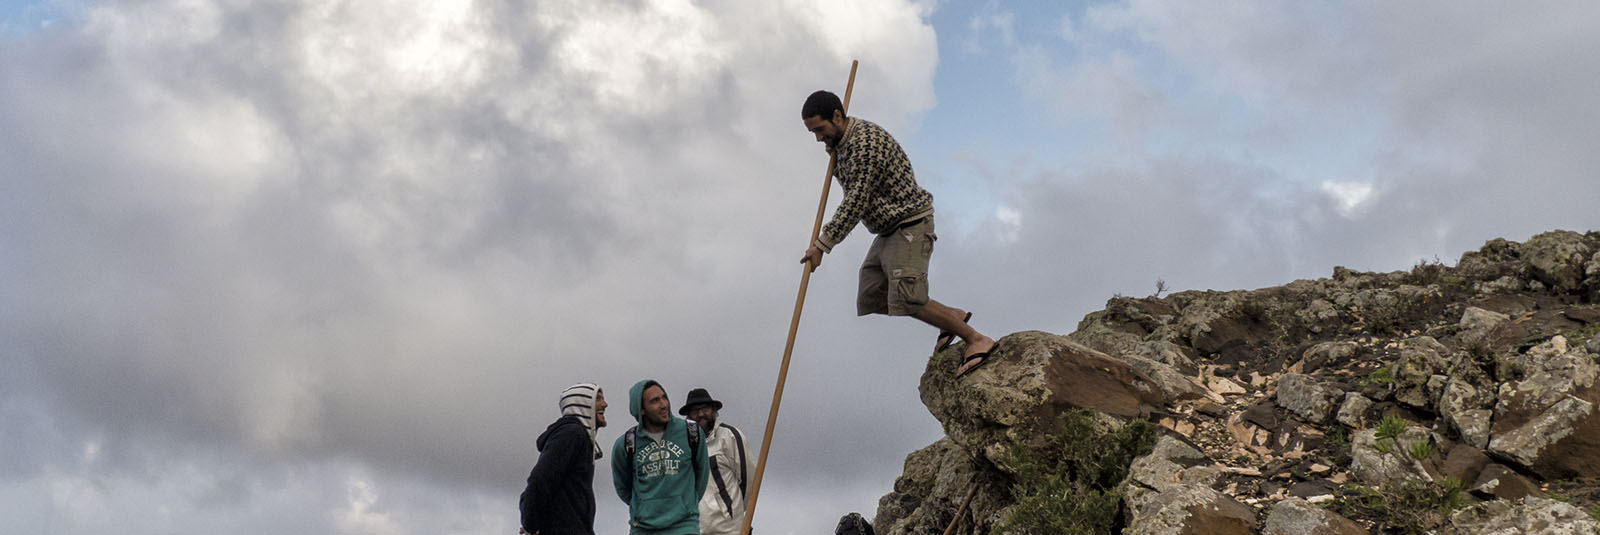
(1447, 399)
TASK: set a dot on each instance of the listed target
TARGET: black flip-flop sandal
(982, 357)
(947, 337)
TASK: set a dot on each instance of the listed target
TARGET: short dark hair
(821, 104)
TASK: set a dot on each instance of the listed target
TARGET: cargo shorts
(894, 277)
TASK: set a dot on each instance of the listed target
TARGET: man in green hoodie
(660, 466)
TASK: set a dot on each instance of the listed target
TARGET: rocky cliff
(1456, 400)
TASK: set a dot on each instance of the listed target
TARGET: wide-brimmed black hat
(698, 396)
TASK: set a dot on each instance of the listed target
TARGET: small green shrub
(1412, 508)
(1339, 438)
(1383, 446)
(1069, 486)
(1391, 426)
(1453, 498)
(1427, 272)
(1421, 450)
(1579, 337)
(1380, 376)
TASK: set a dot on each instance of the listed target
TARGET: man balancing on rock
(881, 192)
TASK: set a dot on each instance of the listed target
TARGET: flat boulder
(1531, 516)
(1465, 407)
(1421, 359)
(1498, 481)
(1557, 259)
(1018, 396)
(1308, 397)
(1295, 516)
(1169, 492)
(1378, 462)
(1548, 421)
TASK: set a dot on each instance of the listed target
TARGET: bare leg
(949, 319)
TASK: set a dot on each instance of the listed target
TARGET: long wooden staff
(794, 326)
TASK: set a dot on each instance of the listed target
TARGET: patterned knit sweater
(880, 190)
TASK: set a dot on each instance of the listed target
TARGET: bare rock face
(1547, 422)
(1307, 397)
(1377, 465)
(1295, 516)
(1121, 332)
(1421, 359)
(1532, 516)
(1464, 464)
(1465, 407)
(1190, 509)
(1017, 398)
(1267, 403)
(1558, 260)
(927, 495)
(1171, 463)
(1481, 320)
(1170, 492)
(1500, 482)
(1351, 410)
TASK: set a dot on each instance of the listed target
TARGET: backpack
(691, 430)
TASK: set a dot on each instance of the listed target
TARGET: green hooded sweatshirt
(663, 482)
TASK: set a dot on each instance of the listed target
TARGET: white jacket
(722, 506)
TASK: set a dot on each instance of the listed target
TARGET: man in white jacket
(722, 506)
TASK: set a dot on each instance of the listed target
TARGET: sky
(324, 266)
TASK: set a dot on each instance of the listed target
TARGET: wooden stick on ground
(794, 326)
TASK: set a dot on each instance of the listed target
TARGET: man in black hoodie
(559, 499)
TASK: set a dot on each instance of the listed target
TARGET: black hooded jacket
(559, 499)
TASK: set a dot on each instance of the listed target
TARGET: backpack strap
(722, 488)
(630, 437)
(692, 430)
(738, 438)
(695, 439)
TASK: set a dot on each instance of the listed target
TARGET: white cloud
(359, 514)
(351, 244)
(1010, 223)
(990, 18)
(78, 498)
(1349, 196)
(1455, 134)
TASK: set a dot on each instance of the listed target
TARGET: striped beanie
(578, 400)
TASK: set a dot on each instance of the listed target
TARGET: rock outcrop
(1441, 399)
